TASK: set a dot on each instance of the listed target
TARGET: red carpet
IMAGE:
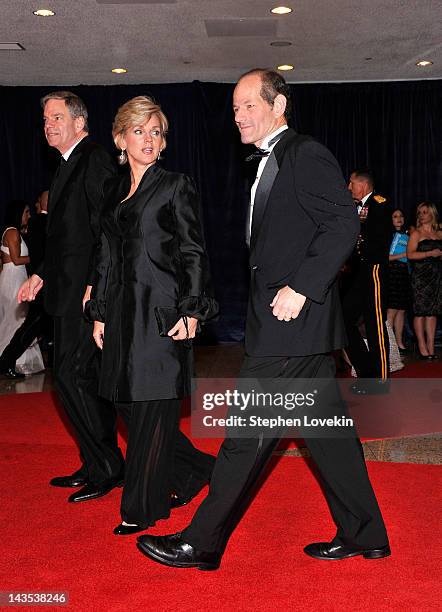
(49, 545)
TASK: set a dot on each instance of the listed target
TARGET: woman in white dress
(14, 253)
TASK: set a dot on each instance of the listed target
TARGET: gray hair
(75, 105)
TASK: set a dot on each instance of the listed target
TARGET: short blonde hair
(137, 111)
(432, 208)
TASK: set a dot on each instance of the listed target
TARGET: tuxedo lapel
(262, 195)
(265, 184)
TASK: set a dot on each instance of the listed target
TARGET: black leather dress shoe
(92, 491)
(128, 529)
(334, 552)
(173, 551)
(376, 386)
(75, 480)
(12, 373)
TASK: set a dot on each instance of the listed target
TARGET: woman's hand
(179, 332)
(87, 295)
(436, 253)
(98, 334)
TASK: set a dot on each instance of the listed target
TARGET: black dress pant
(76, 368)
(160, 460)
(240, 462)
(365, 297)
(35, 324)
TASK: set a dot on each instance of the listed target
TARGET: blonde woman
(152, 271)
(424, 250)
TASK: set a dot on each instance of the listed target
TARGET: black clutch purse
(166, 318)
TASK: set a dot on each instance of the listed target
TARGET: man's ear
(79, 124)
(279, 105)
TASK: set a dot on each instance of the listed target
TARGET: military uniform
(366, 287)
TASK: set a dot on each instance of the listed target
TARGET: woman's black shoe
(177, 502)
(128, 529)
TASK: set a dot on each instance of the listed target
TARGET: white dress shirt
(262, 164)
(364, 199)
(68, 153)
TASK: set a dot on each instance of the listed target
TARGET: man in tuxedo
(36, 322)
(301, 227)
(75, 199)
(366, 287)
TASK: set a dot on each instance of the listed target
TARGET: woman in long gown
(14, 254)
(152, 264)
(425, 251)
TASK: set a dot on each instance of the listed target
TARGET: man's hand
(87, 295)
(29, 289)
(178, 331)
(287, 304)
(98, 334)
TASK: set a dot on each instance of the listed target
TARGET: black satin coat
(152, 254)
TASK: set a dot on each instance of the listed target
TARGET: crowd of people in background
(415, 280)
(413, 287)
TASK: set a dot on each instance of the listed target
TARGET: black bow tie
(260, 153)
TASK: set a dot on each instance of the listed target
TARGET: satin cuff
(200, 307)
(95, 310)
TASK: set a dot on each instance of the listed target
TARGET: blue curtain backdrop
(395, 128)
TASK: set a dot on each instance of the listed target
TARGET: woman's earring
(122, 158)
(159, 155)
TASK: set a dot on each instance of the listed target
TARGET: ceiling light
(44, 13)
(280, 43)
(11, 46)
(424, 63)
(281, 10)
(119, 70)
(285, 67)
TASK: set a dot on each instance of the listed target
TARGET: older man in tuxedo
(75, 199)
(302, 226)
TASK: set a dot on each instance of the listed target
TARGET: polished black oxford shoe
(376, 386)
(12, 374)
(75, 480)
(173, 551)
(122, 529)
(92, 491)
(334, 552)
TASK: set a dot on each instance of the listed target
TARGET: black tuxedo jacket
(304, 227)
(73, 227)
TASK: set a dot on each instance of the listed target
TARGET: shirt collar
(365, 198)
(68, 153)
(265, 142)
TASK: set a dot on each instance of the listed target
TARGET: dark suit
(37, 321)
(75, 200)
(365, 293)
(304, 227)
